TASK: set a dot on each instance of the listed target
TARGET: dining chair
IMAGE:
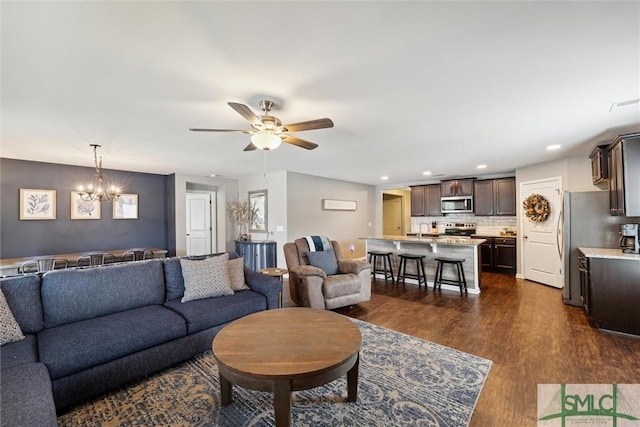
(91, 260)
(138, 254)
(42, 265)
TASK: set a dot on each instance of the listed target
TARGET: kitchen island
(433, 247)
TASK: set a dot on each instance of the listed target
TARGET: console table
(257, 254)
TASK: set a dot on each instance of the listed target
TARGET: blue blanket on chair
(318, 243)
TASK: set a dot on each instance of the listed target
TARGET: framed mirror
(258, 222)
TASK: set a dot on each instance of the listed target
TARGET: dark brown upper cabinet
(624, 175)
(599, 164)
(432, 205)
(425, 200)
(417, 200)
(457, 187)
(495, 197)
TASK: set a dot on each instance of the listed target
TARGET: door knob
(525, 237)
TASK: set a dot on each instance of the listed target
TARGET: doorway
(541, 241)
(392, 215)
(201, 214)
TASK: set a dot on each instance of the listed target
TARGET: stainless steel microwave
(457, 204)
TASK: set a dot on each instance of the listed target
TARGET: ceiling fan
(267, 132)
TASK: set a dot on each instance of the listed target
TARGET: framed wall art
(258, 200)
(83, 209)
(37, 204)
(126, 207)
(339, 205)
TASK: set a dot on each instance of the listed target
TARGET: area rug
(403, 381)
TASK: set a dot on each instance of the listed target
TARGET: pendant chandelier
(100, 188)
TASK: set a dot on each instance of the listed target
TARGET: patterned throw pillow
(236, 274)
(9, 329)
(205, 278)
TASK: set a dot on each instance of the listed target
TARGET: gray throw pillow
(325, 260)
(205, 278)
(9, 329)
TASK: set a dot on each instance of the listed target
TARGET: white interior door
(542, 251)
(199, 232)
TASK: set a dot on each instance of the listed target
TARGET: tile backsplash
(485, 224)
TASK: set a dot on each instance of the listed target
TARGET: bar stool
(461, 281)
(420, 275)
(386, 259)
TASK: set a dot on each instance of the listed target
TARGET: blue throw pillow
(325, 260)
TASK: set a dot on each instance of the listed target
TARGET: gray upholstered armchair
(311, 286)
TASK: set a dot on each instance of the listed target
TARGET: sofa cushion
(71, 295)
(236, 274)
(326, 260)
(23, 296)
(20, 352)
(77, 346)
(206, 313)
(341, 285)
(9, 329)
(205, 278)
(173, 274)
(27, 399)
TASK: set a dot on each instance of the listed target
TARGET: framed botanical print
(37, 204)
(84, 209)
(126, 207)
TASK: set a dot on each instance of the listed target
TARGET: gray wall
(63, 235)
(305, 215)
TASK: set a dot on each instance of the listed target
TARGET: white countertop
(608, 253)
(429, 240)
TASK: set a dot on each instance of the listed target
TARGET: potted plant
(241, 213)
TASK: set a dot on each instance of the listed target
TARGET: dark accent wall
(64, 235)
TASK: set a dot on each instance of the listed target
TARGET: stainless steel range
(460, 229)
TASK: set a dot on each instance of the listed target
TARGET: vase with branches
(241, 214)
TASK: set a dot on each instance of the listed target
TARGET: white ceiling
(411, 86)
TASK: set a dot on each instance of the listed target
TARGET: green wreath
(536, 208)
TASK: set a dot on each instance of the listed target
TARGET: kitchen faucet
(420, 229)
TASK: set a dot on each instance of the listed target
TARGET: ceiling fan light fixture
(266, 141)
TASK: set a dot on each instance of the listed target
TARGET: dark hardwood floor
(523, 327)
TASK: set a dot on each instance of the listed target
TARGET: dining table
(12, 266)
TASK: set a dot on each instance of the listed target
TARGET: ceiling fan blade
(310, 125)
(299, 142)
(219, 130)
(245, 112)
(250, 147)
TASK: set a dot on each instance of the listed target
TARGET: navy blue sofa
(91, 330)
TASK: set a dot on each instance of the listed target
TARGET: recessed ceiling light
(213, 175)
(384, 178)
(481, 166)
(426, 173)
(553, 147)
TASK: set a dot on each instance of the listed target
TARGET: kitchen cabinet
(495, 197)
(610, 292)
(624, 175)
(257, 254)
(457, 187)
(599, 164)
(498, 254)
(417, 200)
(432, 206)
(425, 200)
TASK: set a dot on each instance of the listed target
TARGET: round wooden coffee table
(287, 349)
